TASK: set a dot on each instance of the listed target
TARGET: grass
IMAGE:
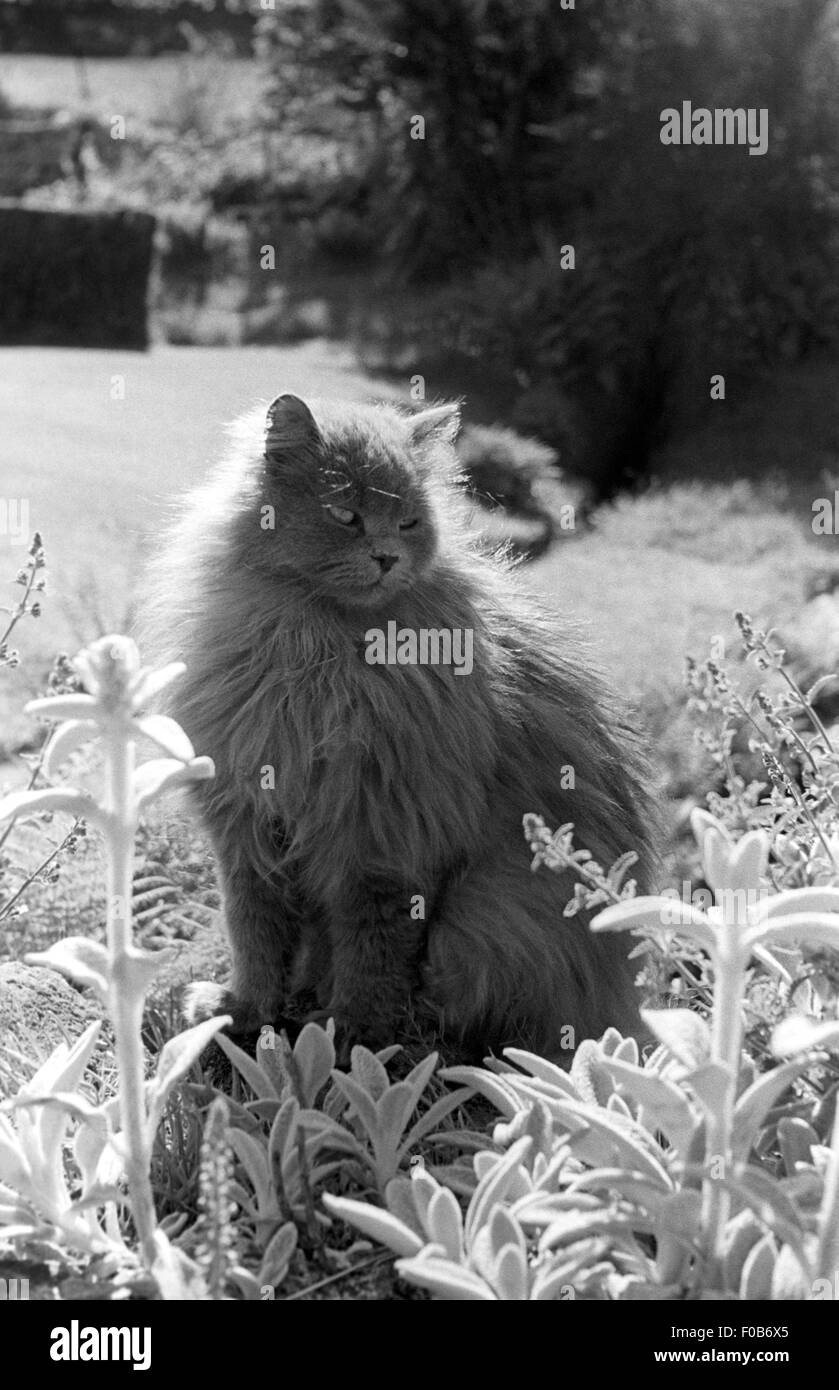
(661, 575)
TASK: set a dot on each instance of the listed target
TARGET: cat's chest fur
(373, 756)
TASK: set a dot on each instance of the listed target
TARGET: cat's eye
(406, 525)
(342, 514)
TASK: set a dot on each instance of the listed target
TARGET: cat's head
(347, 492)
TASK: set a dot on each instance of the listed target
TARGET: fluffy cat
(367, 818)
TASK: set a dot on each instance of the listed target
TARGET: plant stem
(726, 1043)
(18, 612)
(829, 1215)
(126, 996)
(6, 907)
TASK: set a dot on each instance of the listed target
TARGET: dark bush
(74, 278)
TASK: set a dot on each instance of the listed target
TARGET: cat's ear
(437, 425)
(289, 427)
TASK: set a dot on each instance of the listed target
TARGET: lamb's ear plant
(120, 973)
(379, 1111)
(745, 923)
(322, 1121)
(621, 1150)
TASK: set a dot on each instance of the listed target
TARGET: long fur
(389, 782)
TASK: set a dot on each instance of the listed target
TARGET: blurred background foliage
(541, 131)
(295, 126)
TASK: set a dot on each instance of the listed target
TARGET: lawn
(150, 90)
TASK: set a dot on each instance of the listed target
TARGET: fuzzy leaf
(64, 1068)
(374, 1222)
(495, 1186)
(559, 1275)
(588, 1074)
(420, 1075)
(448, 1281)
(530, 1090)
(369, 1072)
(399, 1200)
(138, 970)
(611, 1141)
(754, 1104)
(66, 799)
(149, 683)
(495, 1089)
(505, 1230)
(747, 860)
(799, 1034)
(578, 1195)
(794, 902)
(810, 928)
(252, 1156)
(709, 1084)
(543, 1070)
(788, 1279)
(66, 739)
(510, 1276)
(256, 1078)
(63, 706)
(176, 1058)
(89, 1151)
(424, 1189)
(444, 1223)
(795, 1140)
(14, 1167)
(395, 1109)
(432, 1117)
(77, 1106)
(742, 1233)
(665, 1105)
(361, 1101)
(658, 914)
(79, 959)
(758, 1269)
(161, 774)
(572, 1226)
(766, 1198)
(278, 1253)
(314, 1053)
(677, 1227)
(283, 1130)
(683, 1033)
(167, 734)
(177, 1276)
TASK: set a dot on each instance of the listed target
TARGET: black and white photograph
(419, 667)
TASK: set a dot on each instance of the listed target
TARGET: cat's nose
(386, 561)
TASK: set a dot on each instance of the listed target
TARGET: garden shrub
(77, 278)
